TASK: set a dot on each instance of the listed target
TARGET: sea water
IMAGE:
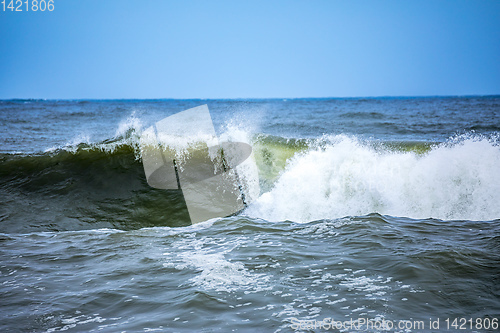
(375, 214)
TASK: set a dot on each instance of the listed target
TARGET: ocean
(374, 215)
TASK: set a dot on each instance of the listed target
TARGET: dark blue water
(35, 125)
(382, 212)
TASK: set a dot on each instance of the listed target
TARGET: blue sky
(250, 49)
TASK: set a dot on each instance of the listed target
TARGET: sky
(96, 49)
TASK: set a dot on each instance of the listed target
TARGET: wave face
(458, 179)
(85, 189)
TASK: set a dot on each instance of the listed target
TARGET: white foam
(127, 133)
(456, 180)
(215, 272)
(131, 123)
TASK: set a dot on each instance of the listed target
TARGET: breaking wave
(87, 185)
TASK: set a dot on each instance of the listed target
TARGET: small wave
(484, 128)
(363, 115)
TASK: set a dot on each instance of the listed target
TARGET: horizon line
(247, 98)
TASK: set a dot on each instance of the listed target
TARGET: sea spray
(458, 179)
